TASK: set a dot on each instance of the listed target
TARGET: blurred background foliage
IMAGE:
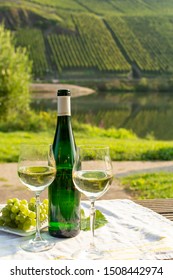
(15, 76)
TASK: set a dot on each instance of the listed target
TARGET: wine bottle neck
(64, 106)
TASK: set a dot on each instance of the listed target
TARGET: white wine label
(64, 106)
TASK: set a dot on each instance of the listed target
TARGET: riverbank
(46, 90)
(10, 186)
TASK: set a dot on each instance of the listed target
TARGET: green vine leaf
(100, 220)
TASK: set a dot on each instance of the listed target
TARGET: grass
(149, 185)
(126, 148)
(10, 143)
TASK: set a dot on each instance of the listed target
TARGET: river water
(147, 114)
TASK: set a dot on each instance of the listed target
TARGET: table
(160, 206)
(132, 232)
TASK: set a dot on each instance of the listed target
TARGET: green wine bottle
(64, 199)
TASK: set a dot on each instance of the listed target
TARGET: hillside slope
(68, 38)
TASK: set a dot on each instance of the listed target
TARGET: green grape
(12, 216)
(42, 217)
(14, 209)
(7, 219)
(12, 224)
(22, 207)
(17, 222)
(20, 226)
(27, 223)
(46, 207)
(32, 215)
(41, 207)
(17, 203)
(31, 206)
(10, 201)
(26, 227)
(17, 218)
(26, 212)
(33, 200)
(9, 205)
(1, 221)
(22, 214)
(24, 201)
(15, 200)
(28, 219)
(33, 222)
(5, 211)
(45, 201)
(21, 218)
(3, 218)
(44, 211)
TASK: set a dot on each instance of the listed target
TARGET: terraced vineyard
(143, 42)
(36, 48)
(94, 37)
(157, 38)
(87, 49)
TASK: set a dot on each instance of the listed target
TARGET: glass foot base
(37, 246)
(90, 254)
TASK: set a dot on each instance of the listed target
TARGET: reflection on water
(146, 114)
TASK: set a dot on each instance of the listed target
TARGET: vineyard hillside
(93, 38)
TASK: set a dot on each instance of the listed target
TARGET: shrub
(30, 121)
(15, 76)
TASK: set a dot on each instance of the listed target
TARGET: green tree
(15, 77)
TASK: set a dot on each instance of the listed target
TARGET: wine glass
(36, 170)
(92, 176)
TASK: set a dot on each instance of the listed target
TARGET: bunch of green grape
(21, 214)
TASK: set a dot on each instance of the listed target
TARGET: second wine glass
(36, 170)
(92, 176)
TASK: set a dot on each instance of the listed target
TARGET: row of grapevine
(159, 43)
(154, 41)
(100, 44)
(34, 41)
(86, 48)
(131, 45)
(67, 52)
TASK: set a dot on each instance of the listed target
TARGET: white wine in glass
(36, 170)
(92, 176)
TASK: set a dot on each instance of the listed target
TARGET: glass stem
(92, 223)
(37, 234)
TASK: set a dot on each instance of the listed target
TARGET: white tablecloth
(133, 232)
